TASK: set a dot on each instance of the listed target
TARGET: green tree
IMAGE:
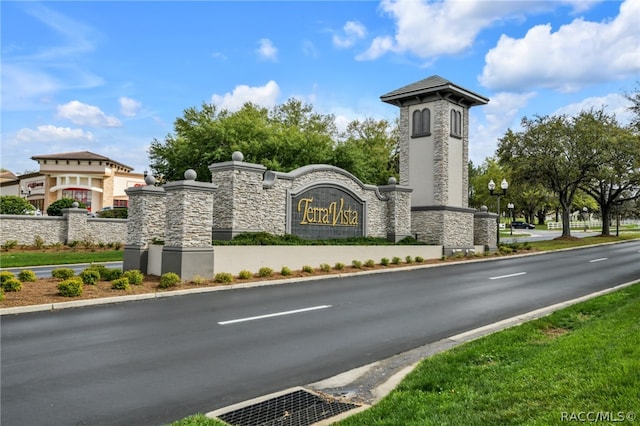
(289, 136)
(634, 98)
(12, 204)
(617, 177)
(55, 208)
(556, 152)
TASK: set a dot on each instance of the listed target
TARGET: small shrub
(100, 269)
(223, 277)
(73, 244)
(168, 280)
(1, 294)
(356, 264)
(101, 244)
(285, 271)
(325, 267)
(307, 268)
(370, 263)
(384, 261)
(111, 274)
(117, 245)
(70, 288)
(395, 260)
(8, 245)
(12, 284)
(90, 276)
(408, 259)
(6, 275)
(120, 284)
(265, 272)
(244, 274)
(87, 243)
(419, 259)
(134, 276)
(27, 276)
(62, 273)
(38, 242)
(339, 266)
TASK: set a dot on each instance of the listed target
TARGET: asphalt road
(155, 361)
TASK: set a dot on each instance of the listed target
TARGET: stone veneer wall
(446, 227)
(485, 230)
(250, 199)
(55, 229)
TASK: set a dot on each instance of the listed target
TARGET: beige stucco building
(93, 179)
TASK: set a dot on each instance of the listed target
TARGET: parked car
(522, 225)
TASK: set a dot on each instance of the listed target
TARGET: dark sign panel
(326, 211)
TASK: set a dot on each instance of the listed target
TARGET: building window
(456, 123)
(120, 203)
(80, 195)
(421, 123)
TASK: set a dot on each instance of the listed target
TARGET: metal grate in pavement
(297, 408)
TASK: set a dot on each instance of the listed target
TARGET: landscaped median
(580, 364)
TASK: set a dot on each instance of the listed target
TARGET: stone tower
(434, 156)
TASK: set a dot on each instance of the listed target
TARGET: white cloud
(265, 96)
(86, 115)
(613, 103)
(353, 31)
(578, 54)
(267, 50)
(502, 112)
(51, 133)
(426, 29)
(129, 107)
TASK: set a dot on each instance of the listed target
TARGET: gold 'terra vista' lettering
(332, 215)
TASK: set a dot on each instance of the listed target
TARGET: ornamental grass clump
(370, 263)
(357, 264)
(70, 288)
(223, 277)
(285, 271)
(325, 267)
(168, 280)
(384, 261)
(307, 268)
(419, 259)
(265, 272)
(244, 274)
(339, 266)
(62, 273)
(395, 260)
(134, 276)
(27, 276)
(89, 276)
(408, 259)
(120, 284)
(1, 294)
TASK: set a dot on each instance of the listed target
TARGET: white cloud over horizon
(50, 133)
(265, 96)
(83, 114)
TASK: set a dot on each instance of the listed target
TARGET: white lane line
(276, 314)
(507, 276)
(598, 260)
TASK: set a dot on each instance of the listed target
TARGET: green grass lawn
(582, 359)
(16, 259)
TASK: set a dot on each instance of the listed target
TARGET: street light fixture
(510, 206)
(504, 185)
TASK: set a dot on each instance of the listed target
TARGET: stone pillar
(238, 183)
(146, 224)
(398, 210)
(485, 230)
(77, 229)
(188, 250)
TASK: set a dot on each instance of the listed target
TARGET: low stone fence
(73, 226)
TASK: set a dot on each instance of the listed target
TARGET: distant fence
(581, 224)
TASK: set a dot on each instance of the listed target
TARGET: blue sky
(109, 77)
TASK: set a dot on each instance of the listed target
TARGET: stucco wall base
(188, 262)
(233, 259)
(135, 257)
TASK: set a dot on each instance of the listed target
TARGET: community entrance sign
(326, 211)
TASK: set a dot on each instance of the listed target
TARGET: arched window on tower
(421, 123)
(456, 123)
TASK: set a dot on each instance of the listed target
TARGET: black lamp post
(510, 206)
(492, 186)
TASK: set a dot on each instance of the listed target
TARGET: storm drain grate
(298, 408)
